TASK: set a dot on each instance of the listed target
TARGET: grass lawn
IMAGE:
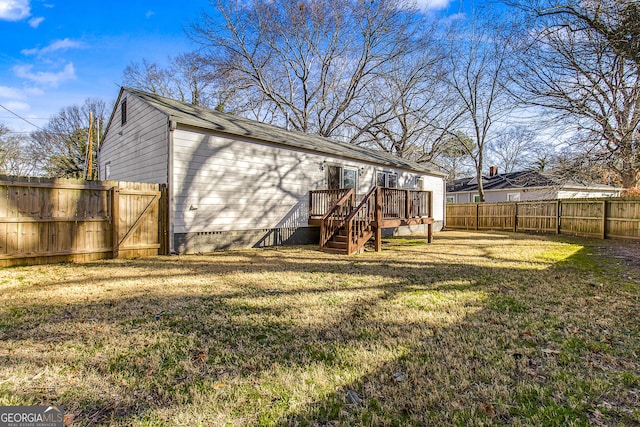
(475, 329)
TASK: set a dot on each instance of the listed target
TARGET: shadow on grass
(425, 343)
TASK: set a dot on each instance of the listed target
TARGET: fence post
(604, 219)
(558, 215)
(477, 216)
(515, 217)
(115, 219)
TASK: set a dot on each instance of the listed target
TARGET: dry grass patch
(475, 329)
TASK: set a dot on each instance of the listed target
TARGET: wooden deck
(346, 224)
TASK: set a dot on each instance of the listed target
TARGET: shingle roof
(192, 115)
(512, 180)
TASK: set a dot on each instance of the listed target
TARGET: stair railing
(359, 223)
(336, 217)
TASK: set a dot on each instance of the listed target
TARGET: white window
(451, 199)
(107, 170)
(387, 179)
(339, 177)
(513, 197)
(476, 198)
(349, 178)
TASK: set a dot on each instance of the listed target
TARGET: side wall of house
(234, 192)
(584, 194)
(137, 150)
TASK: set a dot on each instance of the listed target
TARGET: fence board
(538, 216)
(610, 217)
(496, 216)
(462, 216)
(582, 218)
(54, 220)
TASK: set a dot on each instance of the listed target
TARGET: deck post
(378, 229)
(407, 205)
(349, 228)
(430, 225)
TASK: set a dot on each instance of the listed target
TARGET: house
(234, 182)
(522, 186)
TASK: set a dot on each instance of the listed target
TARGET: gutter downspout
(172, 125)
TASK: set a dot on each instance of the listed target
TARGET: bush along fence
(601, 218)
(63, 220)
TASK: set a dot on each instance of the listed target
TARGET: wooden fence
(59, 220)
(602, 218)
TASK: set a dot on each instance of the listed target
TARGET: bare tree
(187, 78)
(62, 146)
(517, 147)
(481, 52)
(148, 76)
(403, 104)
(617, 22)
(15, 156)
(306, 64)
(580, 67)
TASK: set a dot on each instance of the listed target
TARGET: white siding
(224, 184)
(436, 184)
(138, 150)
(577, 194)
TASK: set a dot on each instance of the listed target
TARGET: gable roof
(514, 180)
(192, 115)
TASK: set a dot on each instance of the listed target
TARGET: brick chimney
(493, 171)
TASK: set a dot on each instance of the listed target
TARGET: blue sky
(56, 53)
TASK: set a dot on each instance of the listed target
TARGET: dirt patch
(623, 252)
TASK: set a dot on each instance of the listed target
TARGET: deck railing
(396, 203)
(405, 204)
(320, 201)
(336, 217)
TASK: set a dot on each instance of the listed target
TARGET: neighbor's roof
(514, 180)
(192, 115)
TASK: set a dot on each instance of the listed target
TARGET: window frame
(343, 178)
(338, 171)
(387, 179)
(123, 112)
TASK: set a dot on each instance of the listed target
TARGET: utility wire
(22, 118)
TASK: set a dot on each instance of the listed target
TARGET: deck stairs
(347, 224)
(346, 228)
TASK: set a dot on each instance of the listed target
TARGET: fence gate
(61, 220)
(139, 228)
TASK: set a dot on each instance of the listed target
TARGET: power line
(22, 118)
(31, 118)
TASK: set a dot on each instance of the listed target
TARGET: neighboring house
(522, 186)
(234, 182)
